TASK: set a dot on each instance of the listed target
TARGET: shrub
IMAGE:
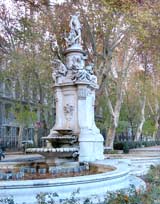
(134, 144)
(7, 200)
(125, 148)
(118, 145)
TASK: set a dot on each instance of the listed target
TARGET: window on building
(17, 90)
(8, 117)
(8, 88)
(1, 88)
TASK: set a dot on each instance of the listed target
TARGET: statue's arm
(71, 24)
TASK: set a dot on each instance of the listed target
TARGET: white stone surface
(141, 166)
(90, 139)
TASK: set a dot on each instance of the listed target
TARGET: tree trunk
(112, 129)
(36, 137)
(110, 136)
(156, 127)
(114, 117)
(142, 121)
(156, 118)
(20, 136)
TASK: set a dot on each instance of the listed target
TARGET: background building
(32, 130)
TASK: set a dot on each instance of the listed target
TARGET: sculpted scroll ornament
(83, 74)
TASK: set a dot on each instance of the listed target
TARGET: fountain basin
(89, 186)
(54, 155)
(54, 152)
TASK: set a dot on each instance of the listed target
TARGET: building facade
(10, 127)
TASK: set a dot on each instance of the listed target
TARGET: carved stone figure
(83, 74)
(78, 71)
(80, 75)
(68, 110)
(75, 31)
(59, 69)
(77, 63)
(90, 76)
(71, 38)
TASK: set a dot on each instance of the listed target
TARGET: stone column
(90, 139)
(59, 105)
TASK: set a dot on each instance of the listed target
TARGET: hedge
(133, 145)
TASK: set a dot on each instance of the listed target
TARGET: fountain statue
(74, 132)
(74, 37)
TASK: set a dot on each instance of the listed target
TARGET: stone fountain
(74, 134)
(74, 88)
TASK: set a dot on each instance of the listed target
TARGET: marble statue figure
(59, 69)
(83, 74)
(78, 71)
(90, 76)
(75, 31)
(71, 38)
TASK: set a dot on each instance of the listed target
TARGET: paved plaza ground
(138, 152)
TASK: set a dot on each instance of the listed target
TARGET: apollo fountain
(75, 131)
(74, 134)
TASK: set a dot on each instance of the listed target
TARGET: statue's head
(91, 65)
(77, 13)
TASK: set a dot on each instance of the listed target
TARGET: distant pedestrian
(2, 154)
(24, 148)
